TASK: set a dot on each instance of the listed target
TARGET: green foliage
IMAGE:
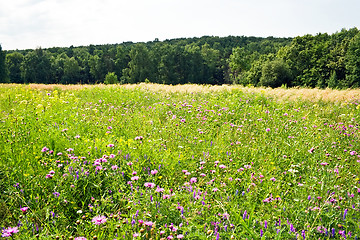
(352, 63)
(37, 67)
(311, 61)
(111, 78)
(3, 68)
(275, 73)
(14, 63)
(333, 81)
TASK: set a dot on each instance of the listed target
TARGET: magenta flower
(8, 232)
(80, 238)
(268, 129)
(153, 172)
(44, 149)
(222, 166)
(139, 138)
(158, 189)
(193, 180)
(149, 185)
(135, 178)
(215, 189)
(24, 209)
(180, 236)
(99, 220)
(135, 235)
(149, 223)
(110, 145)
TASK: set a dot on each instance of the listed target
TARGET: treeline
(313, 61)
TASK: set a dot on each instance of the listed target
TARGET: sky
(29, 24)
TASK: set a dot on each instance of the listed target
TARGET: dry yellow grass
(278, 93)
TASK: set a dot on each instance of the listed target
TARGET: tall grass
(192, 162)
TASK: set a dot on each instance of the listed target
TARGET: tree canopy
(321, 61)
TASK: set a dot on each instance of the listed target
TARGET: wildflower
(345, 212)
(158, 189)
(180, 236)
(215, 189)
(114, 167)
(56, 194)
(193, 180)
(135, 178)
(110, 145)
(136, 235)
(311, 150)
(268, 129)
(149, 184)
(139, 138)
(8, 232)
(80, 238)
(324, 163)
(148, 223)
(44, 149)
(153, 172)
(222, 166)
(99, 220)
(24, 209)
(273, 179)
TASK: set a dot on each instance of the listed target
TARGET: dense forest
(312, 61)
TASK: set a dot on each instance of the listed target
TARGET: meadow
(178, 162)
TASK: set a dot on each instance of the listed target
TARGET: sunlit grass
(194, 162)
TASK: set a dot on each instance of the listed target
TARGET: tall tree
(14, 61)
(3, 69)
(352, 64)
(140, 65)
(37, 67)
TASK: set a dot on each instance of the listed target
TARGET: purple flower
(24, 209)
(8, 232)
(99, 220)
(149, 185)
(56, 194)
(149, 223)
(180, 236)
(153, 172)
(193, 180)
(345, 212)
(44, 149)
(268, 129)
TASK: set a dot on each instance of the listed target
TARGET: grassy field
(178, 162)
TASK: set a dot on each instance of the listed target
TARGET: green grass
(254, 165)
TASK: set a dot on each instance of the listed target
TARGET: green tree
(352, 64)
(140, 65)
(37, 67)
(3, 69)
(239, 63)
(71, 71)
(14, 61)
(275, 74)
(111, 78)
(332, 82)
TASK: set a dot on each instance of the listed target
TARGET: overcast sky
(47, 23)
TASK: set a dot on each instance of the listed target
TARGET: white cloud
(47, 23)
